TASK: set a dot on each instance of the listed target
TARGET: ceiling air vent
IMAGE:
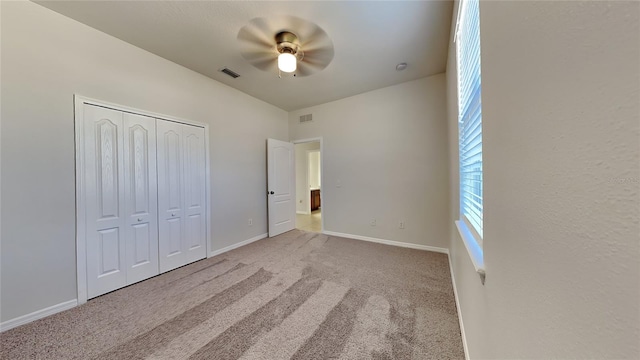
(306, 118)
(231, 73)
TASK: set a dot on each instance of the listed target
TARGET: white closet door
(170, 195)
(141, 196)
(194, 181)
(104, 177)
(181, 194)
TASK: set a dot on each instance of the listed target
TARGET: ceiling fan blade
(320, 57)
(315, 38)
(306, 69)
(256, 34)
(302, 28)
(266, 64)
(256, 46)
(315, 61)
(252, 56)
(317, 47)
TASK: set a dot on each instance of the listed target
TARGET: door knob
(139, 219)
(173, 214)
(271, 192)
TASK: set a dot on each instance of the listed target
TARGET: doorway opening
(309, 207)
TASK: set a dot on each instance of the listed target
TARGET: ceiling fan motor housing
(287, 42)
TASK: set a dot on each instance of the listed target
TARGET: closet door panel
(195, 192)
(174, 238)
(109, 254)
(194, 234)
(141, 197)
(170, 195)
(104, 178)
(172, 161)
(140, 252)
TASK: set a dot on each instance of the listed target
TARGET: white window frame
(471, 235)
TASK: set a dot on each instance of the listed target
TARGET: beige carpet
(299, 295)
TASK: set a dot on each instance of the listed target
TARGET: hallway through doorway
(310, 222)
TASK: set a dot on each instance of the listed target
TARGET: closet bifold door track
(144, 190)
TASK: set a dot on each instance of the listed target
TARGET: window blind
(470, 113)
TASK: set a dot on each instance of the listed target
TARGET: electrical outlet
(373, 222)
(250, 222)
(401, 224)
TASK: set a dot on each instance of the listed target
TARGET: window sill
(474, 250)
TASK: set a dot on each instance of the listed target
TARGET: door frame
(81, 246)
(322, 179)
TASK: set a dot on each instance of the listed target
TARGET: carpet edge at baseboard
(38, 314)
(388, 242)
(237, 245)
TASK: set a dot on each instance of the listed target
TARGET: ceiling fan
(285, 43)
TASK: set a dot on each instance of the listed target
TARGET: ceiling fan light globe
(287, 62)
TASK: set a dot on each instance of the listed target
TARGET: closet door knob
(139, 219)
(173, 214)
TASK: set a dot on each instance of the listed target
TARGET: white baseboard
(302, 212)
(24, 319)
(235, 246)
(389, 242)
(455, 294)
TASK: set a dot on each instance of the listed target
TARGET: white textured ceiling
(369, 39)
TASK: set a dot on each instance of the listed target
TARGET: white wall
(46, 58)
(561, 183)
(302, 167)
(384, 158)
(314, 170)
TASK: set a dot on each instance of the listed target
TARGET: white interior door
(141, 197)
(195, 193)
(170, 195)
(281, 186)
(105, 219)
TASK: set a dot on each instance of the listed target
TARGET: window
(470, 128)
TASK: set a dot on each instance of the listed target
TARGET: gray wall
(46, 59)
(561, 183)
(387, 149)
